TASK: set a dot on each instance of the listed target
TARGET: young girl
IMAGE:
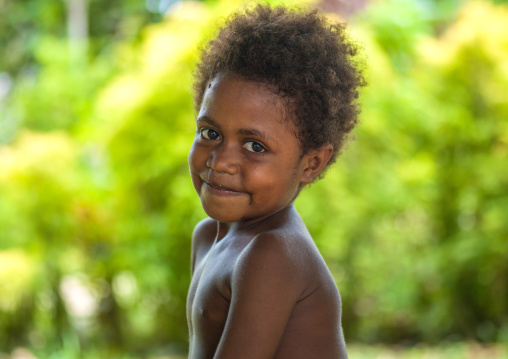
(275, 92)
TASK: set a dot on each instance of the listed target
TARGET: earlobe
(314, 162)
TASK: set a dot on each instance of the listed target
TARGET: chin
(221, 214)
(222, 218)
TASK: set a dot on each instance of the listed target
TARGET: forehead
(235, 95)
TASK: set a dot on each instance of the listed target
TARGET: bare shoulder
(205, 228)
(202, 239)
(283, 302)
(285, 256)
(264, 291)
(279, 244)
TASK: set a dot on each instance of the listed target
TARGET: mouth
(219, 189)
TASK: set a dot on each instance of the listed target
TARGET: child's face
(245, 161)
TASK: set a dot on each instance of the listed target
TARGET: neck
(254, 224)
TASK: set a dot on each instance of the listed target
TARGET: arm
(266, 283)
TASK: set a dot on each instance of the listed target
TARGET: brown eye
(253, 147)
(210, 134)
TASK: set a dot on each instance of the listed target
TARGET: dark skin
(260, 288)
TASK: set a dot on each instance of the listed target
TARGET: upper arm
(202, 239)
(267, 282)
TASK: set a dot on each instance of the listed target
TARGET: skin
(260, 288)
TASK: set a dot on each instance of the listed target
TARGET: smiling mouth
(218, 189)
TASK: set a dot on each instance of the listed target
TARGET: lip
(220, 190)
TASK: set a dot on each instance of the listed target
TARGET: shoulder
(277, 256)
(286, 239)
(275, 244)
(205, 228)
(202, 239)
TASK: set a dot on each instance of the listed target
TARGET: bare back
(262, 292)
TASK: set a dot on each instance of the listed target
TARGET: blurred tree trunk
(109, 317)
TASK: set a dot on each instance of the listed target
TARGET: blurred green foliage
(96, 207)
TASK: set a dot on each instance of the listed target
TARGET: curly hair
(310, 62)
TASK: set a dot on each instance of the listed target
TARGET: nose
(224, 159)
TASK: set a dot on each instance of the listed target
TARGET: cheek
(191, 156)
(195, 166)
(197, 157)
(275, 184)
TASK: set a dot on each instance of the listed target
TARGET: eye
(253, 147)
(209, 134)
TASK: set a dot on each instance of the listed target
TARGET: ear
(314, 161)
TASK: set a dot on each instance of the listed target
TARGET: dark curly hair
(310, 62)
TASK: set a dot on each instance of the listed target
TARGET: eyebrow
(254, 133)
(243, 131)
(208, 120)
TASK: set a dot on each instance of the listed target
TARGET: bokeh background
(97, 208)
